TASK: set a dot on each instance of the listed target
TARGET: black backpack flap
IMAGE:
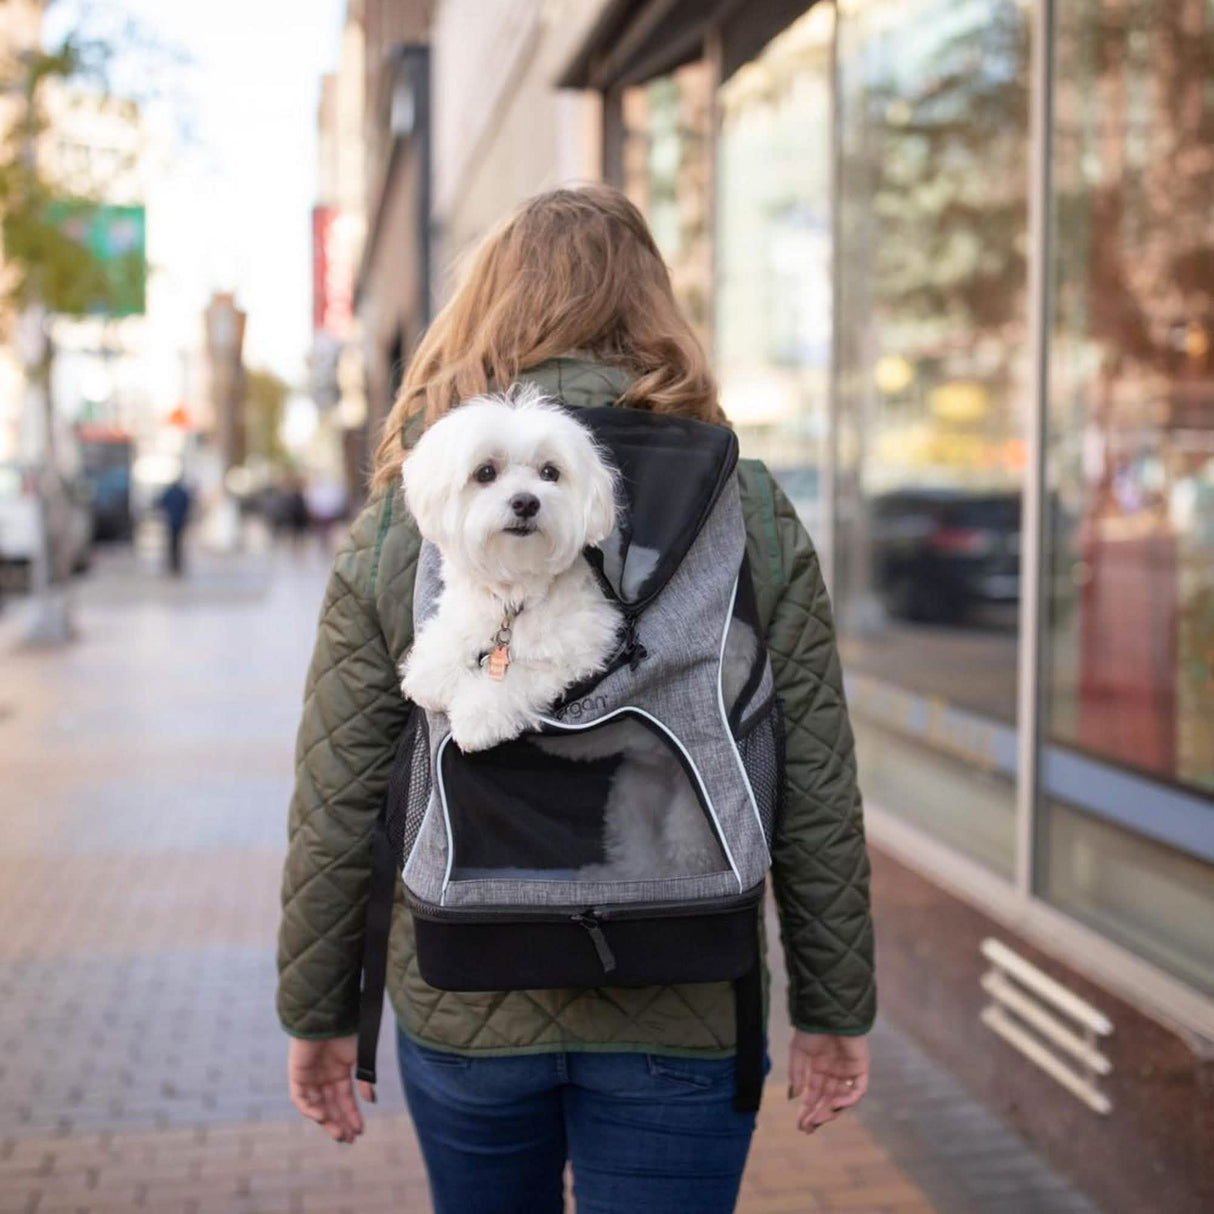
(672, 471)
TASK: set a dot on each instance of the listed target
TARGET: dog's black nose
(525, 504)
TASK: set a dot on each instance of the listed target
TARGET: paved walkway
(144, 774)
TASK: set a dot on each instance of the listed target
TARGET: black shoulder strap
(748, 1020)
(388, 842)
(375, 946)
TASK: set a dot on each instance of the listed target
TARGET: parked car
(939, 553)
(19, 522)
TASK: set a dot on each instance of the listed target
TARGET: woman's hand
(319, 1077)
(828, 1074)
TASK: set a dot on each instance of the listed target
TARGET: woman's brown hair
(572, 270)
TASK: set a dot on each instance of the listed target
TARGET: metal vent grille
(1048, 1024)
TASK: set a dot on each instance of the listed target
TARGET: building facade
(955, 263)
(392, 283)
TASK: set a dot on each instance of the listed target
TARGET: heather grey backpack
(627, 842)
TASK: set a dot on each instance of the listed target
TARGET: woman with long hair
(631, 1086)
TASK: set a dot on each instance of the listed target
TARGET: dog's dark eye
(550, 472)
(485, 474)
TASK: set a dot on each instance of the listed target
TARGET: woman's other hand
(828, 1074)
(320, 1080)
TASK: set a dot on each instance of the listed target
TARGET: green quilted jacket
(353, 714)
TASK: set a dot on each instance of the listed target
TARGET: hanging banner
(334, 248)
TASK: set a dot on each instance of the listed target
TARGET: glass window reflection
(1129, 660)
(667, 169)
(1131, 452)
(932, 398)
(773, 277)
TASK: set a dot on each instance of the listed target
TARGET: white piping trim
(733, 745)
(630, 708)
(442, 796)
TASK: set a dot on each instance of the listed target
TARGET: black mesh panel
(612, 802)
(517, 807)
(409, 785)
(762, 751)
(745, 658)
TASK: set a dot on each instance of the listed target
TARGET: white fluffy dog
(510, 489)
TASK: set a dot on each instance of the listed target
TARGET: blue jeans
(645, 1134)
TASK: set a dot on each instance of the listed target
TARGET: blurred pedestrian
(297, 516)
(327, 505)
(175, 503)
(632, 1086)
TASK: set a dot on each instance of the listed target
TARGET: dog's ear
(427, 489)
(600, 503)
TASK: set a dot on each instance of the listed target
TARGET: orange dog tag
(499, 659)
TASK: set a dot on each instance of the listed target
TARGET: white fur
(567, 628)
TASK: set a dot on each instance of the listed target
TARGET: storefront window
(1129, 659)
(667, 170)
(933, 395)
(773, 284)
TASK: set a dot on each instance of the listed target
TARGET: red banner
(333, 254)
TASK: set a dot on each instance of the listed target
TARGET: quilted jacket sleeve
(353, 714)
(820, 866)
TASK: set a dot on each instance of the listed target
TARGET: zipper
(629, 652)
(565, 914)
(591, 921)
(632, 652)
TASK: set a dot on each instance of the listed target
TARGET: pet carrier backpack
(542, 861)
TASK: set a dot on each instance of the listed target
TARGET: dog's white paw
(425, 681)
(479, 730)
(420, 692)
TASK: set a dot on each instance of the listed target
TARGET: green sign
(115, 236)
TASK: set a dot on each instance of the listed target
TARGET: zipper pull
(633, 651)
(590, 921)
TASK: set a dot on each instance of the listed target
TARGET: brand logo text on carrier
(575, 710)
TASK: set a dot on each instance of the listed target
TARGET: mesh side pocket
(409, 785)
(762, 751)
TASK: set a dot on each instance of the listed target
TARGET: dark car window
(995, 513)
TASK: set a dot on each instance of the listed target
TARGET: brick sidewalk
(145, 778)
(287, 1165)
